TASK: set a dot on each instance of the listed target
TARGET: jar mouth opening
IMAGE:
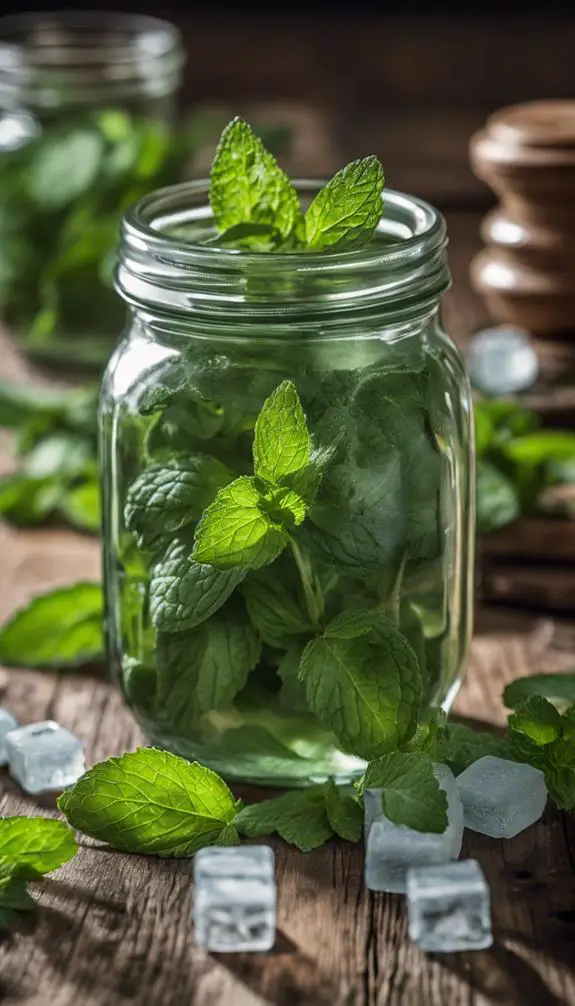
(406, 225)
(43, 54)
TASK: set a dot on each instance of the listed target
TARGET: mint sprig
(256, 207)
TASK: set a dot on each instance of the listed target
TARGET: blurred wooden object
(526, 273)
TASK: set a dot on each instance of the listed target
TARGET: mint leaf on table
(14, 897)
(363, 682)
(62, 628)
(248, 186)
(345, 213)
(235, 530)
(344, 812)
(168, 496)
(411, 794)
(203, 669)
(282, 443)
(537, 719)
(184, 593)
(33, 846)
(557, 688)
(152, 802)
(299, 817)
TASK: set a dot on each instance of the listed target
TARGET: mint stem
(394, 599)
(314, 605)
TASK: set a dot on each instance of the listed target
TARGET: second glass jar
(208, 654)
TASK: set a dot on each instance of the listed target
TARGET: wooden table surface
(113, 929)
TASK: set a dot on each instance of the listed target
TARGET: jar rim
(172, 272)
(76, 57)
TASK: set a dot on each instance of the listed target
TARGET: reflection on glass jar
(86, 105)
(255, 573)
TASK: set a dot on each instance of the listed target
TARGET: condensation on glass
(383, 388)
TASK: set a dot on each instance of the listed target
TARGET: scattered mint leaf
(299, 817)
(33, 846)
(202, 669)
(14, 896)
(282, 443)
(228, 836)
(248, 186)
(235, 531)
(168, 496)
(277, 615)
(184, 593)
(345, 213)
(537, 719)
(557, 688)
(411, 794)
(344, 812)
(459, 746)
(60, 629)
(151, 802)
(366, 688)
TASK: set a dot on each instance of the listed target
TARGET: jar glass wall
(208, 658)
(86, 128)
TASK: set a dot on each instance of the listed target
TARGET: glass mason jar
(208, 656)
(86, 107)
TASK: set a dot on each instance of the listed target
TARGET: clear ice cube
(235, 898)
(44, 756)
(392, 848)
(501, 360)
(449, 907)
(7, 723)
(500, 798)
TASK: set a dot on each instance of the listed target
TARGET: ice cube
(392, 848)
(7, 723)
(235, 898)
(501, 798)
(449, 907)
(44, 756)
(502, 361)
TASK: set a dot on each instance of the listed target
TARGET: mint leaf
(497, 499)
(345, 213)
(81, 507)
(561, 785)
(344, 812)
(366, 688)
(168, 496)
(282, 444)
(256, 753)
(60, 629)
(64, 168)
(537, 719)
(235, 531)
(152, 802)
(460, 746)
(247, 185)
(202, 669)
(557, 688)
(300, 818)
(292, 696)
(183, 592)
(33, 846)
(277, 615)
(14, 896)
(411, 794)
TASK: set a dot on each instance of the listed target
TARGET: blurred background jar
(86, 127)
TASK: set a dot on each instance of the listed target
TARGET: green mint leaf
(235, 531)
(64, 168)
(541, 447)
(345, 213)
(81, 507)
(537, 719)
(256, 752)
(14, 896)
(497, 499)
(292, 696)
(282, 444)
(523, 749)
(33, 846)
(344, 812)
(248, 237)
(459, 746)
(351, 624)
(411, 794)
(167, 497)
(248, 186)
(365, 688)
(561, 785)
(140, 682)
(202, 669)
(60, 629)
(557, 688)
(228, 836)
(430, 735)
(300, 818)
(277, 615)
(152, 802)
(183, 592)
